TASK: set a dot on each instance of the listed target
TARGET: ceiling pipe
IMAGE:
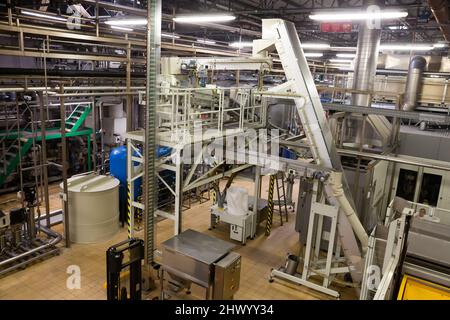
(442, 14)
(413, 82)
(365, 63)
(366, 60)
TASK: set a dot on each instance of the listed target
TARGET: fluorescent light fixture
(204, 18)
(121, 28)
(358, 15)
(171, 36)
(41, 15)
(343, 48)
(406, 47)
(313, 54)
(440, 45)
(206, 41)
(127, 22)
(241, 44)
(341, 61)
(315, 46)
(346, 55)
(398, 28)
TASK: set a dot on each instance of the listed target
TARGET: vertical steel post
(94, 135)
(129, 96)
(44, 158)
(130, 189)
(153, 56)
(178, 193)
(9, 13)
(64, 167)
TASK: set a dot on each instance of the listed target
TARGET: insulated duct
(442, 14)
(413, 82)
(364, 73)
(365, 63)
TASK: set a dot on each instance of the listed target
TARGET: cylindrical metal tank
(413, 82)
(93, 208)
(118, 163)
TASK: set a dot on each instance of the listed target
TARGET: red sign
(336, 27)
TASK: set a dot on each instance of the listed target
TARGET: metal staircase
(20, 141)
(77, 117)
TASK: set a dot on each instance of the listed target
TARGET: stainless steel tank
(93, 208)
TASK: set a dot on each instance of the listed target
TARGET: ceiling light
(313, 54)
(341, 60)
(358, 15)
(168, 35)
(127, 22)
(440, 45)
(345, 68)
(204, 18)
(398, 28)
(315, 45)
(206, 41)
(346, 55)
(241, 44)
(406, 47)
(343, 48)
(121, 28)
(41, 15)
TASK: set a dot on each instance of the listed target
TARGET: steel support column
(64, 167)
(153, 56)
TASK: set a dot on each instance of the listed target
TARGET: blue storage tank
(287, 153)
(118, 169)
(118, 163)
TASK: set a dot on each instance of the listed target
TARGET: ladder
(279, 181)
(274, 182)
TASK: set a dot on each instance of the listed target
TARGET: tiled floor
(47, 279)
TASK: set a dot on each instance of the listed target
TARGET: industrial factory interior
(249, 150)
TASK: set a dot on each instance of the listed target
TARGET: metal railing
(184, 113)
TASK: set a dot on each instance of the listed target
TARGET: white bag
(237, 201)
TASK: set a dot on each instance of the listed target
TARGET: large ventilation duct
(413, 81)
(442, 15)
(364, 74)
(365, 63)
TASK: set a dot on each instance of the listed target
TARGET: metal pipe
(365, 63)
(413, 82)
(94, 134)
(64, 169)
(392, 159)
(442, 14)
(102, 140)
(129, 97)
(56, 239)
(24, 263)
(44, 157)
(87, 88)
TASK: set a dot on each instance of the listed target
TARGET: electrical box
(239, 232)
(227, 276)
(4, 220)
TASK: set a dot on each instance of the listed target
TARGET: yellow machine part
(417, 289)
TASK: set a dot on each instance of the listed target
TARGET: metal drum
(93, 208)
